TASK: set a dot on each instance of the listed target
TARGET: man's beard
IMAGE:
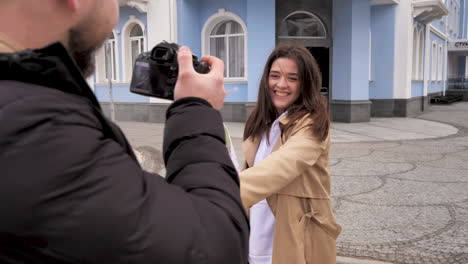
(82, 52)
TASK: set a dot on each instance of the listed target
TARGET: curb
(347, 260)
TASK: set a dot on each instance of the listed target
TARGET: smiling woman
(286, 181)
(283, 83)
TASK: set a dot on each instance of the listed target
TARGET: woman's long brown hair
(309, 101)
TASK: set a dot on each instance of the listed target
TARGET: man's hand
(208, 86)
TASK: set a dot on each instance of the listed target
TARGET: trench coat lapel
(249, 147)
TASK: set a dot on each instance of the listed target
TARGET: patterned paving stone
(463, 204)
(461, 154)
(449, 162)
(411, 193)
(369, 145)
(333, 162)
(399, 201)
(427, 147)
(365, 225)
(454, 240)
(387, 156)
(368, 168)
(433, 174)
(345, 151)
(345, 186)
(462, 141)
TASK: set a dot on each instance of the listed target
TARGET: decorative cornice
(425, 11)
(385, 2)
(140, 5)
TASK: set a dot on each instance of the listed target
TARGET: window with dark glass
(302, 25)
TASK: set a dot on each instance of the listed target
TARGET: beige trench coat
(295, 179)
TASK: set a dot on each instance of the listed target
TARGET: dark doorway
(322, 56)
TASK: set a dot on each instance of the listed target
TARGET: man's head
(81, 25)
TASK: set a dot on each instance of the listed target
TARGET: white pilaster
(466, 66)
(403, 50)
(162, 25)
(445, 66)
(162, 21)
(427, 54)
(90, 81)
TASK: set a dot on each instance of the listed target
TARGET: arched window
(107, 60)
(137, 42)
(302, 24)
(415, 74)
(224, 36)
(434, 61)
(111, 58)
(133, 43)
(421, 55)
(418, 54)
(455, 21)
(440, 63)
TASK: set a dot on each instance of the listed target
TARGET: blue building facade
(378, 57)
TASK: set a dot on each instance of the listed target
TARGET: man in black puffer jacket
(71, 189)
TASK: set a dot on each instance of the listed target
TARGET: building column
(403, 50)
(261, 41)
(383, 60)
(392, 44)
(91, 82)
(162, 25)
(427, 58)
(162, 21)
(350, 80)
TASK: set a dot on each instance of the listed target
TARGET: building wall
(189, 24)
(261, 41)
(258, 15)
(120, 89)
(417, 88)
(382, 41)
(463, 19)
(236, 92)
(372, 48)
(351, 50)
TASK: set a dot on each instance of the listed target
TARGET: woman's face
(283, 81)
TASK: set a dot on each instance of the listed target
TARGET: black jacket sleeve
(197, 161)
(82, 195)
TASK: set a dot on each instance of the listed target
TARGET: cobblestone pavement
(400, 201)
(405, 201)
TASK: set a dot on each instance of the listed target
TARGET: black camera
(155, 73)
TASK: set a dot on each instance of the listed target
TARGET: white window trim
(438, 32)
(125, 40)
(440, 63)
(434, 61)
(455, 11)
(421, 54)
(370, 54)
(415, 60)
(113, 60)
(304, 37)
(101, 62)
(211, 22)
(418, 54)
